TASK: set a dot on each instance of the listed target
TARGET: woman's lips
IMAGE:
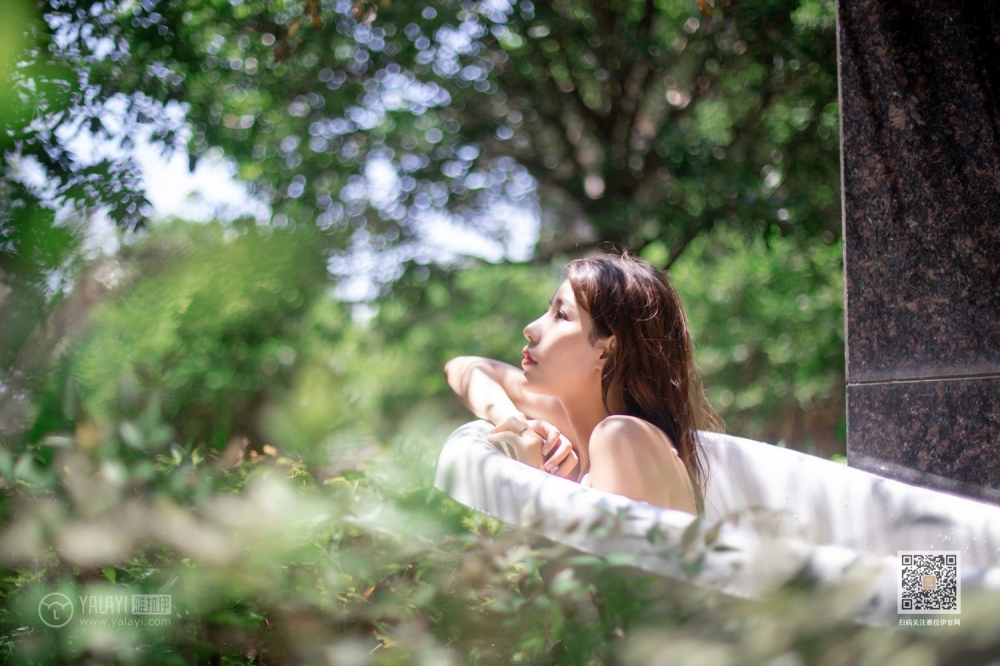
(527, 360)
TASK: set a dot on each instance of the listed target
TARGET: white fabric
(824, 502)
(775, 513)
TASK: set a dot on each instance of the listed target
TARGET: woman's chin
(532, 384)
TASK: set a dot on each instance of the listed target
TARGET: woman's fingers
(557, 454)
(505, 436)
(566, 468)
(549, 433)
(536, 443)
(504, 442)
(512, 424)
(562, 459)
(554, 453)
(525, 446)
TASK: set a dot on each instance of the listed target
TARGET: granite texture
(920, 114)
(943, 434)
(920, 104)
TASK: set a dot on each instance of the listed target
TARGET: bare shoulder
(619, 430)
(633, 457)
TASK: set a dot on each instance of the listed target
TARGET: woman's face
(559, 359)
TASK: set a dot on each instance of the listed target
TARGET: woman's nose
(529, 331)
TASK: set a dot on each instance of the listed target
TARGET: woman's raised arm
(494, 391)
(475, 382)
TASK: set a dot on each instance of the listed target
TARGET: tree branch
(632, 91)
(692, 233)
(600, 125)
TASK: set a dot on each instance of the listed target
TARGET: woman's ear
(607, 345)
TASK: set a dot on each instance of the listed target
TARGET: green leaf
(131, 434)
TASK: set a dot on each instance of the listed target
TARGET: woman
(608, 391)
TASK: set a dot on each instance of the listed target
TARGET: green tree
(630, 122)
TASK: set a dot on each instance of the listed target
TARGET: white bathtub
(773, 512)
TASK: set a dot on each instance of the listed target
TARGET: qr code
(929, 581)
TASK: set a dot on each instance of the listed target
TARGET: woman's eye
(560, 314)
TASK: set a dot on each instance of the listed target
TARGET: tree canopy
(635, 122)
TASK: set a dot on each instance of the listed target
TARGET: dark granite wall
(920, 107)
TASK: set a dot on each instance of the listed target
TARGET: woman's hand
(538, 444)
(521, 440)
(560, 458)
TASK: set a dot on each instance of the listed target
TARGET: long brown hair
(650, 373)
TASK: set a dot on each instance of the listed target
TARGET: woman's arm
(474, 380)
(494, 391)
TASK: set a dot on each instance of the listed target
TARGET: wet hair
(650, 373)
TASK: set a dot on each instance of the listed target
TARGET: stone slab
(920, 105)
(943, 434)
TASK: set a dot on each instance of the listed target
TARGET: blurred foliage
(767, 318)
(190, 334)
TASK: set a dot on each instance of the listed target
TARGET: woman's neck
(584, 411)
